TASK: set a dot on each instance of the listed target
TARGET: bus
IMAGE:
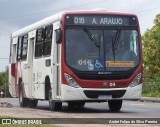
(77, 57)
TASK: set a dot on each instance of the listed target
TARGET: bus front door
(30, 68)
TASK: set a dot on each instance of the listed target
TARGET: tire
(115, 105)
(71, 105)
(22, 101)
(78, 104)
(47, 87)
(53, 105)
(33, 103)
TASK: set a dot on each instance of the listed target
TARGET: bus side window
(47, 40)
(13, 54)
(24, 47)
(19, 47)
(39, 43)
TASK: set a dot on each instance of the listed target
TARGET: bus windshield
(101, 49)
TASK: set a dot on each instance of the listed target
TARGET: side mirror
(58, 36)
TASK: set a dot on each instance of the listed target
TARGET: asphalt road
(130, 109)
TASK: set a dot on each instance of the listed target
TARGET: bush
(151, 86)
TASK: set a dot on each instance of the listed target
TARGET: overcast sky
(16, 14)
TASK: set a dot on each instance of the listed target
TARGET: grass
(151, 94)
(151, 88)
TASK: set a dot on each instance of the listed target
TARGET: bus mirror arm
(58, 36)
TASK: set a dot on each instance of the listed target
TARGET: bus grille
(103, 77)
(95, 93)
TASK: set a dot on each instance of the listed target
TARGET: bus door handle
(55, 64)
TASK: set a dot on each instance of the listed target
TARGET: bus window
(47, 40)
(19, 47)
(24, 47)
(13, 56)
(39, 43)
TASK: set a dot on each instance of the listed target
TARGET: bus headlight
(71, 81)
(135, 82)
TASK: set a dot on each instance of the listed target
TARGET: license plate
(105, 97)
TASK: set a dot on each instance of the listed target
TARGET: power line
(4, 35)
(3, 58)
(6, 1)
(37, 13)
(141, 11)
(9, 1)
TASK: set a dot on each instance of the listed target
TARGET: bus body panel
(12, 80)
(40, 71)
(75, 94)
(13, 68)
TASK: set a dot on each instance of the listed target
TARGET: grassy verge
(151, 88)
(151, 94)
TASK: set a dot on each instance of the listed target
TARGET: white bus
(77, 57)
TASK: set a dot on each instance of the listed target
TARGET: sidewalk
(150, 99)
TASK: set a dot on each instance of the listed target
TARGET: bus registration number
(105, 97)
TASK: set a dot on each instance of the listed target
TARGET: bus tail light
(71, 81)
(135, 82)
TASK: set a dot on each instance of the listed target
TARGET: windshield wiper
(92, 38)
(115, 43)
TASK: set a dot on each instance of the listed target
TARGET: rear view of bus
(101, 58)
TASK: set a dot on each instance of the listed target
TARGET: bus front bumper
(69, 93)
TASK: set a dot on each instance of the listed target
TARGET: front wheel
(115, 105)
(53, 105)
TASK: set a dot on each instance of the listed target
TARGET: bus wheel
(53, 105)
(33, 103)
(115, 105)
(22, 101)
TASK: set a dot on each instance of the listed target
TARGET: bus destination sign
(100, 20)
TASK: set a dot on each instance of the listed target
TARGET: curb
(150, 99)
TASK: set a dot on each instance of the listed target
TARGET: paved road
(130, 109)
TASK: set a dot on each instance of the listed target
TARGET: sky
(16, 14)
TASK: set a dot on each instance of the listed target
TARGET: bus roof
(58, 16)
(36, 25)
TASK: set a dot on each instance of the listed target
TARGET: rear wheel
(22, 101)
(47, 87)
(33, 103)
(53, 105)
(115, 105)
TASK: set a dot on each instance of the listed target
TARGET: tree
(4, 81)
(151, 58)
(151, 50)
